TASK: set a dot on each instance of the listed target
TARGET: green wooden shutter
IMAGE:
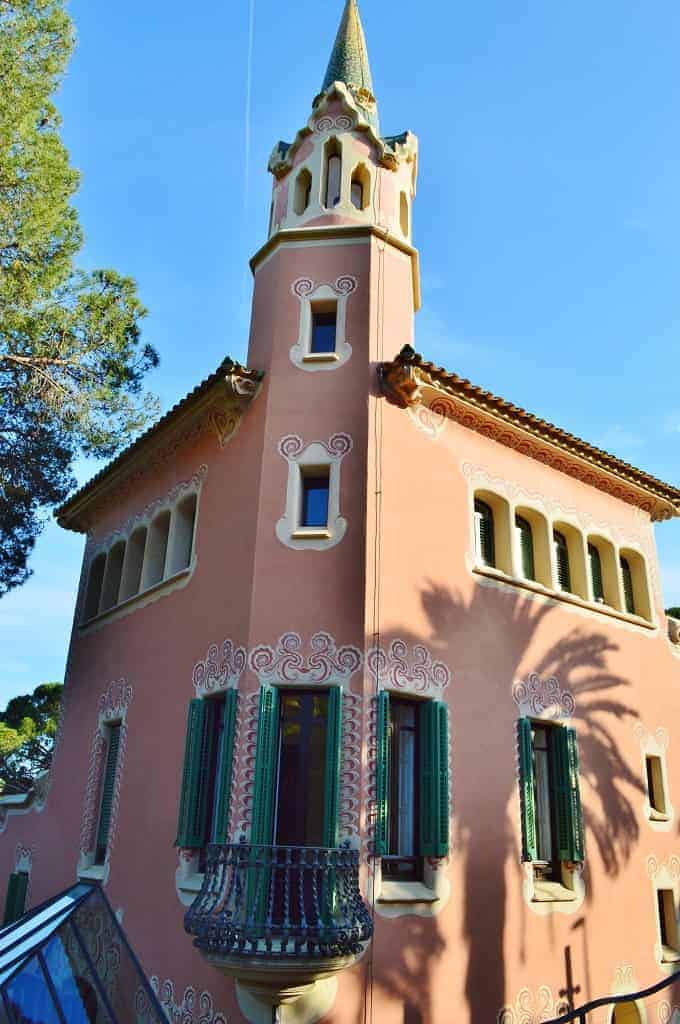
(382, 776)
(189, 833)
(577, 844)
(108, 785)
(225, 768)
(526, 544)
(434, 778)
(628, 595)
(525, 757)
(332, 774)
(566, 794)
(485, 533)
(15, 903)
(562, 561)
(596, 573)
(265, 766)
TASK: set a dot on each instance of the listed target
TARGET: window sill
(140, 596)
(670, 955)
(659, 816)
(552, 892)
(192, 883)
(561, 595)
(406, 892)
(320, 357)
(311, 533)
(95, 873)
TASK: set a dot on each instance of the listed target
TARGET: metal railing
(279, 902)
(580, 1014)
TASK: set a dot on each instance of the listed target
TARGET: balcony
(280, 918)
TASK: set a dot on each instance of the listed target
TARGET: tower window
(655, 786)
(107, 795)
(360, 187)
(403, 214)
(668, 927)
(333, 174)
(314, 506)
(303, 191)
(324, 326)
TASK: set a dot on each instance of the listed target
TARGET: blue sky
(547, 215)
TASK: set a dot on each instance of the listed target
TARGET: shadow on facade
(489, 643)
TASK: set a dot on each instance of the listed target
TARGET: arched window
(525, 544)
(182, 535)
(333, 174)
(132, 566)
(303, 191)
(628, 592)
(360, 187)
(156, 551)
(403, 214)
(484, 533)
(112, 575)
(94, 586)
(595, 567)
(562, 561)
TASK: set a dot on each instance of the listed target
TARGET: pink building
(370, 676)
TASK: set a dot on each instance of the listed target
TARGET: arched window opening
(404, 214)
(182, 535)
(360, 187)
(627, 579)
(94, 586)
(112, 575)
(626, 1013)
(525, 544)
(156, 551)
(562, 561)
(595, 566)
(271, 217)
(333, 174)
(303, 191)
(485, 539)
(132, 566)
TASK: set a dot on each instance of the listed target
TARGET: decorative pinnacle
(349, 60)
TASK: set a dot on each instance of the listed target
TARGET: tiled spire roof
(349, 58)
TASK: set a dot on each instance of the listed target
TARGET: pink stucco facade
(398, 573)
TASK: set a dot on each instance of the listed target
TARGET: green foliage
(673, 612)
(71, 358)
(28, 726)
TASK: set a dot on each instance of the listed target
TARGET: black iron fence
(279, 902)
(582, 1014)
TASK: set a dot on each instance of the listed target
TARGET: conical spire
(349, 60)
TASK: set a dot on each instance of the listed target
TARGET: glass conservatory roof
(68, 962)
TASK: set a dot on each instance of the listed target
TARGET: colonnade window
(558, 556)
(303, 191)
(360, 187)
(149, 555)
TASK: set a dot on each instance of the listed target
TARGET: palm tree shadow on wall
(499, 630)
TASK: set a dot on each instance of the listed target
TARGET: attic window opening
(303, 191)
(333, 174)
(324, 327)
(314, 497)
(360, 187)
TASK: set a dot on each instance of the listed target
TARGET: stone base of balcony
(277, 983)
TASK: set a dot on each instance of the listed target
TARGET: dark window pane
(30, 998)
(323, 331)
(403, 860)
(314, 501)
(72, 981)
(302, 768)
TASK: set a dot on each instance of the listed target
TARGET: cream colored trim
(314, 1003)
(406, 892)
(310, 293)
(544, 898)
(317, 454)
(665, 875)
(417, 899)
(655, 745)
(502, 579)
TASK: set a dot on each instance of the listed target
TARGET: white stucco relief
(194, 1006)
(542, 698)
(221, 669)
(428, 421)
(409, 670)
(532, 1007)
(314, 454)
(113, 707)
(309, 293)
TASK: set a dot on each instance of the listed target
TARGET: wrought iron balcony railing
(279, 902)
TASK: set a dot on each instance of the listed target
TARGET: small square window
(324, 322)
(655, 787)
(314, 511)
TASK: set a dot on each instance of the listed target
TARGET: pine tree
(72, 361)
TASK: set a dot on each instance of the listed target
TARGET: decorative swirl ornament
(542, 698)
(286, 663)
(417, 672)
(303, 286)
(221, 669)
